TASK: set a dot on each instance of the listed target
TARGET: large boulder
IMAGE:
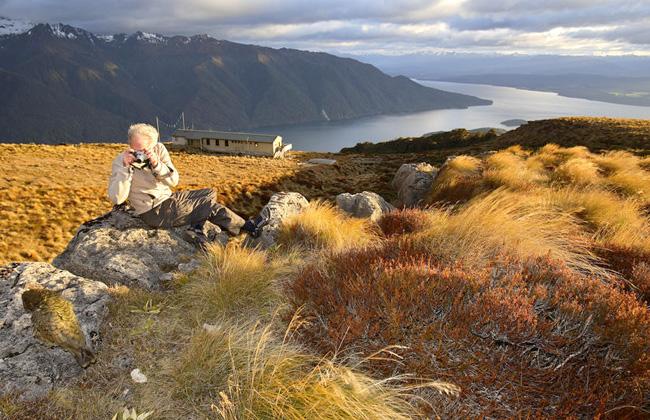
(364, 204)
(119, 248)
(280, 206)
(413, 181)
(28, 366)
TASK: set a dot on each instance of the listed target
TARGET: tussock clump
(232, 281)
(644, 163)
(631, 182)
(503, 222)
(245, 371)
(611, 220)
(457, 181)
(616, 160)
(322, 226)
(578, 171)
(510, 170)
(520, 338)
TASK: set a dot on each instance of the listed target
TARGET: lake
(509, 103)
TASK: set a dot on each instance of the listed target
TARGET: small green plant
(131, 414)
(148, 308)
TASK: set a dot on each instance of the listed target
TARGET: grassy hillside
(594, 133)
(521, 290)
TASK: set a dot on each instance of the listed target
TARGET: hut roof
(224, 135)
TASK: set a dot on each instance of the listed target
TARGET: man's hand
(127, 157)
(153, 157)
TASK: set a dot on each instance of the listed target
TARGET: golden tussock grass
(577, 171)
(457, 180)
(247, 371)
(233, 281)
(507, 223)
(323, 226)
(612, 221)
(607, 192)
(511, 170)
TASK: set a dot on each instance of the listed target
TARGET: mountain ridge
(63, 83)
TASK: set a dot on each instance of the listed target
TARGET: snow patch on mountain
(149, 37)
(60, 31)
(14, 26)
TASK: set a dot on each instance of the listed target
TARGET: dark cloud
(571, 26)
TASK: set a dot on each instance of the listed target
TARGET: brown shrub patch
(404, 221)
(520, 338)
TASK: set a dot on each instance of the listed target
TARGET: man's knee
(211, 194)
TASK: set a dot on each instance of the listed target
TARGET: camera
(141, 159)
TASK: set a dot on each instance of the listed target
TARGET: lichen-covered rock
(28, 366)
(412, 182)
(119, 248)
(364, 204)
(280, 206)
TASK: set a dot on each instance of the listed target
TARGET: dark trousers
(193, 208)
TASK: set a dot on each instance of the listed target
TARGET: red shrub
(633, 264)
(521, 339)
(404, 221)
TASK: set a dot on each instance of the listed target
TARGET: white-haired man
(144, 174)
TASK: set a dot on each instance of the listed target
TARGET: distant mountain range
(60, 83)
(616, 79)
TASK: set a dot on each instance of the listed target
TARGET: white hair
(145, 130)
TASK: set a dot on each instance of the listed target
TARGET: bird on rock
(55, 323)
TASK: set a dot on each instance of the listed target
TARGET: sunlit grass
(323, 226)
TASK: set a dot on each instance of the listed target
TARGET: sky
(583, 27)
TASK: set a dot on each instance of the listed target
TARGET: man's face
(139, 142)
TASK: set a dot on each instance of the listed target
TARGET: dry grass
(248, 372)
(608, 191)
(458, 180)
(577, 171)
(323, 226)
(233, 281)
(612, 221)
(510, 169)
(506, 223)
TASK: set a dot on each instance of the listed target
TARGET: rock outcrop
(412, 182)
(119, 248)
(364, 204)
(27, 366)
(280, 206)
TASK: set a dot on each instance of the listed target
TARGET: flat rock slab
(28, 366)
(321, 161)
(119, 248)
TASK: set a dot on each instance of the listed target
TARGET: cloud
(379, 26)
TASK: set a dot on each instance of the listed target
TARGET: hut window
(207, 141)
(216, 142)
(226, 143)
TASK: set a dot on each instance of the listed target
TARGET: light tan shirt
(143, 188)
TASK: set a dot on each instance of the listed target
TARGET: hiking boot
(196, 237)
(254, 226)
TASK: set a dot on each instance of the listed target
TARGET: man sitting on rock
(144, 174)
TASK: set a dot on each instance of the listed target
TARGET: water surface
(509, 103)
